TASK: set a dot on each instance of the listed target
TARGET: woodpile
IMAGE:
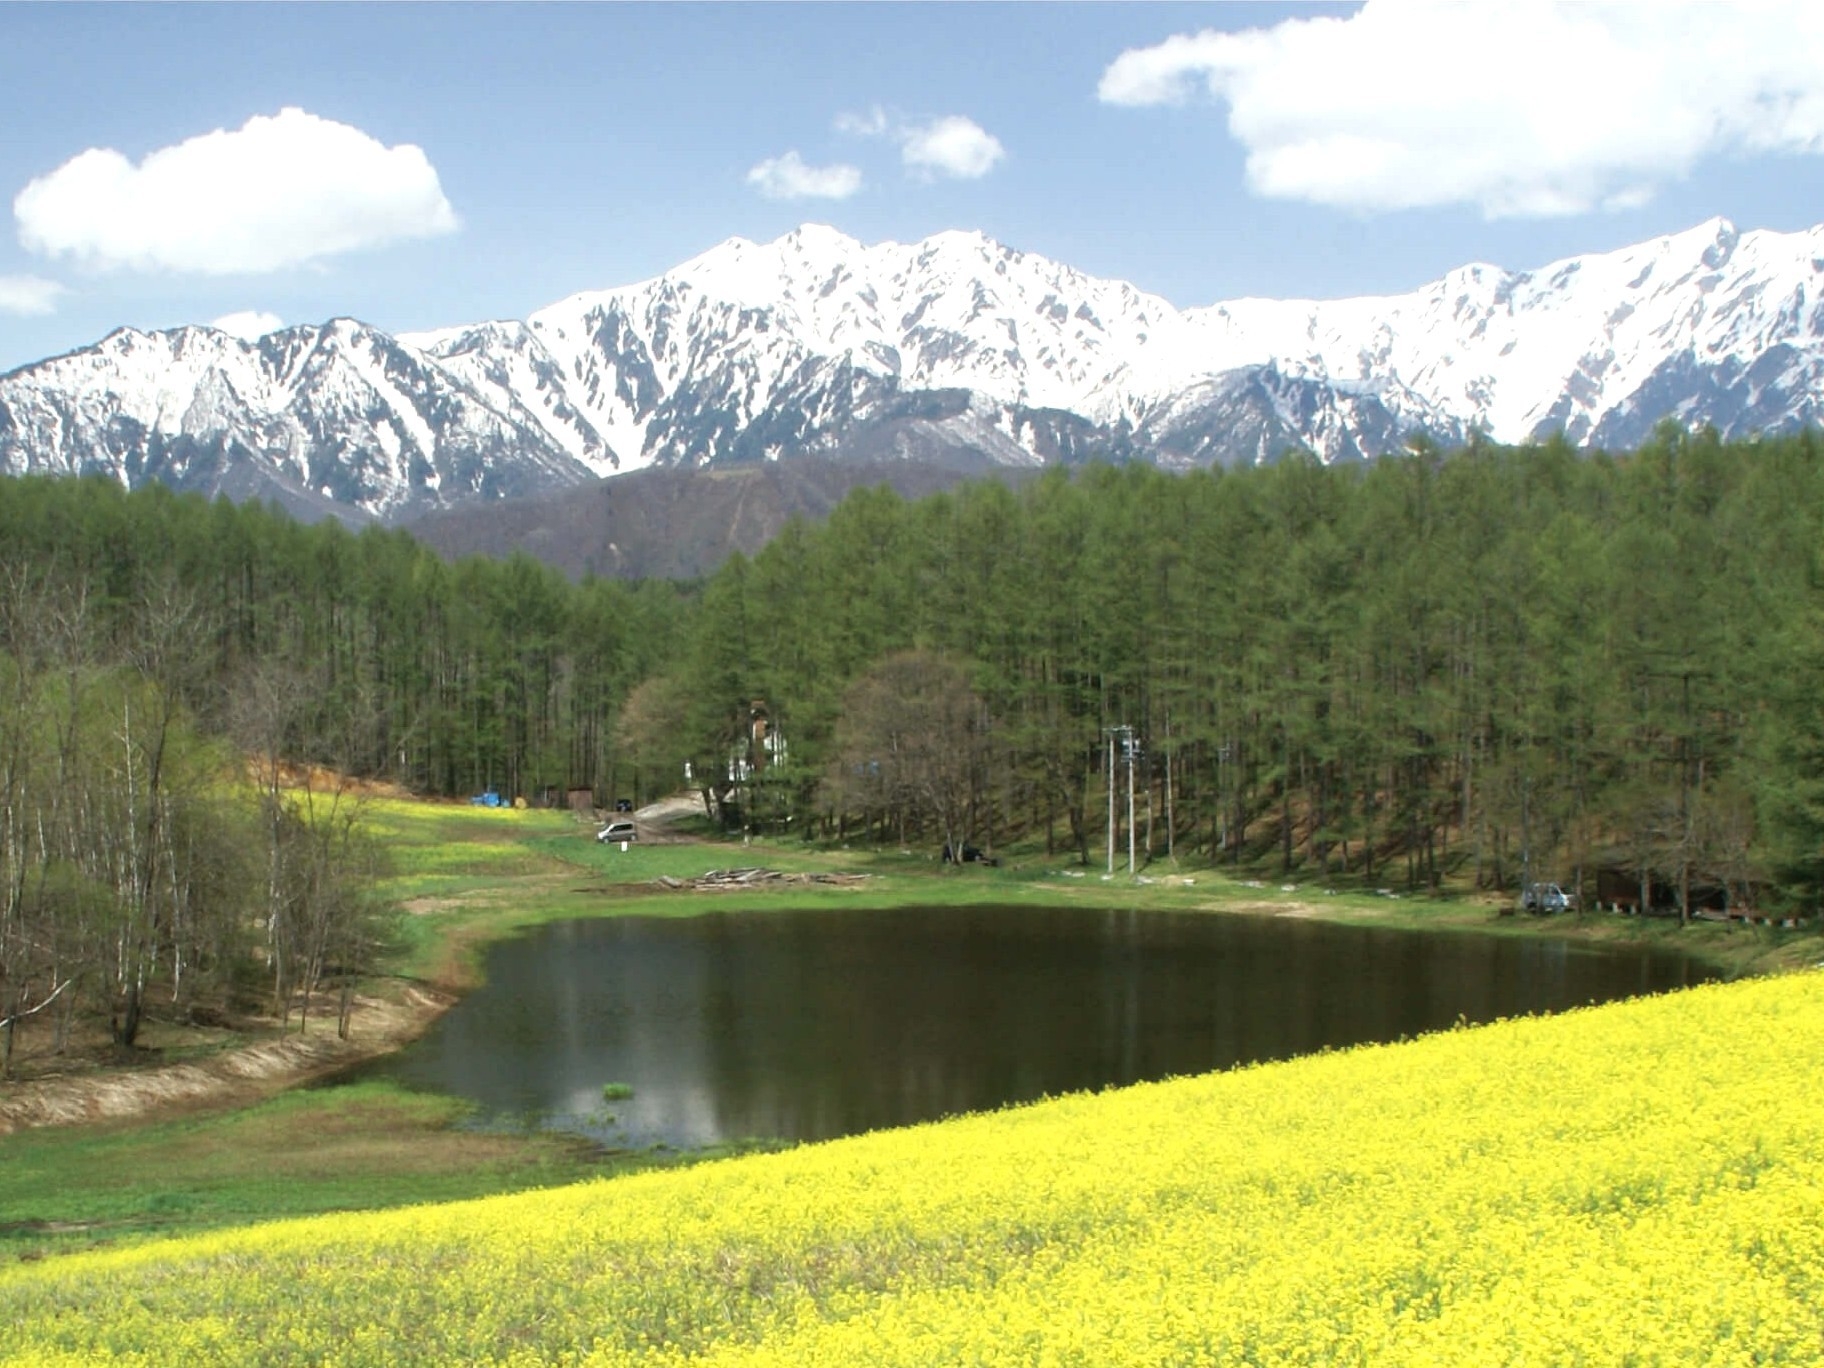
(756, 878)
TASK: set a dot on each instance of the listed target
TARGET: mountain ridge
(955, 349)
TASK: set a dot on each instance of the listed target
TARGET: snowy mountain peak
(819, 240)
(956, 347)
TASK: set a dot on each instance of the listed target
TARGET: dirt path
(233, 1078)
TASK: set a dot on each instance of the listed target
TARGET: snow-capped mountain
(1706, 326)
(815, 342)
(321, 419)
(955, 349)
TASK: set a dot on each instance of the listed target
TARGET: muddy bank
(233, 1077)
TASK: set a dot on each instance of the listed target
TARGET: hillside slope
(667, 524)
(1612, 1186)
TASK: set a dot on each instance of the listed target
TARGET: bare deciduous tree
(912, 743)
(316, 915)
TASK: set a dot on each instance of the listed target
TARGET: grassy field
(304, 1152)
(1635, 1184)
(471, 875)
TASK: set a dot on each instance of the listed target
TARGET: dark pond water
(808, 1025)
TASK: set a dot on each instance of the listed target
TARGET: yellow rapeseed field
(1634, 1184)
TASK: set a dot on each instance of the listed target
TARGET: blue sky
(446, 164)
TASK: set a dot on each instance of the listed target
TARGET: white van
(621, 830)
(1543, 898)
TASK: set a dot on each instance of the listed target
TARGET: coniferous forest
(1481, 666)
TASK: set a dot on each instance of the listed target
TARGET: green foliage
(122, 863)
(1469, 666)
(1474, 665)
(449, 679)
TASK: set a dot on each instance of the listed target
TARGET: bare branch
(33, 1011)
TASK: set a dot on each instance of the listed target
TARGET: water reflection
(815, 1024)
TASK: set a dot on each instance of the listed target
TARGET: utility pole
(1127, 748)
(1111, 800)
(1171, 840)
(1127, 740)
(1526, 844)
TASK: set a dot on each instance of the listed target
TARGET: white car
(1545, 898)
(622, 830)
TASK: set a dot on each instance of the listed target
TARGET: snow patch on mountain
(955, 349)
(341, 411)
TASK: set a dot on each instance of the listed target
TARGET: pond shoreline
(399, 1009)
(238, 1076)
(727, 1025)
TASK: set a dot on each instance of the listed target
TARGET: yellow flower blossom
(1640, 1184)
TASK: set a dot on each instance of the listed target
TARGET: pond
(814, 1024)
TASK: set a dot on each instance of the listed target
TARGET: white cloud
(951, 146)
(249, 324)
(280, 191)
(1523, 109)
(788, 177)
(869, 125)
(28, 295)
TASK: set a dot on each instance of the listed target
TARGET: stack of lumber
(755, 878)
